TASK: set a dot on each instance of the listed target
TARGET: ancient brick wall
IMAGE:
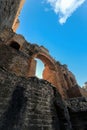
(20, 59)
(9, 12)
(76, 91)
(30, 104)
(26, 102)
(77, 108)
(13, 61)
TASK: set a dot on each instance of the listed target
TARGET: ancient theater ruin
(55, 102)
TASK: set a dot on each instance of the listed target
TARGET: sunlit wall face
(39, 68)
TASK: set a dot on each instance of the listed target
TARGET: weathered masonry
(9, 12)
(55, 102)
(24, 64)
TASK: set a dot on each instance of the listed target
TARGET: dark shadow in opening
(12, 115)
(78, 119)
(61, 112)
(15, 45)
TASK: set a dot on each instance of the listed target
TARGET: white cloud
(65, 8)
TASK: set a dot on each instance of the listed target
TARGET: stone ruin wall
(30, 104)
(22, 63)
(9, 12)
(33, 103)
(25, 65)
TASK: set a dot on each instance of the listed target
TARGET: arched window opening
(39, 68)
(15, 45)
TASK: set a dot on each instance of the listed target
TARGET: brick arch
(49, 72)
(47, 60)
(52, 70)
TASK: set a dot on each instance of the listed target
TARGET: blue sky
(66, 39)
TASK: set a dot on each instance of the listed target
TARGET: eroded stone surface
(26, 102)
(30, 104)
(77, 108)
(20, 59)
(9, 12)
